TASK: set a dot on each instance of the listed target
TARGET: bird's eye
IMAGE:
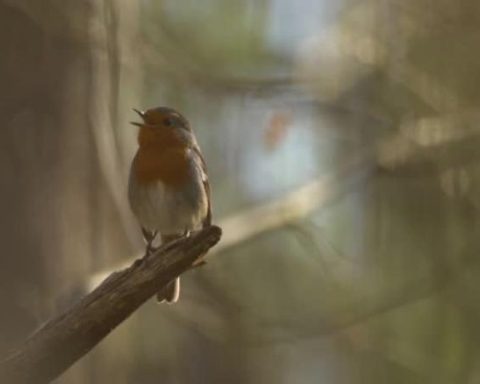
(168, 122)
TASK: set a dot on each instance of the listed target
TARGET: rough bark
(66, 338)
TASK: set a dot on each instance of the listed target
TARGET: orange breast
(161, 157)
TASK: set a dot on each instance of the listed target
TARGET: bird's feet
(149, 249)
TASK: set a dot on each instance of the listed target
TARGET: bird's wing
(203, 170)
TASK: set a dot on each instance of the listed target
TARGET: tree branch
(66, 338)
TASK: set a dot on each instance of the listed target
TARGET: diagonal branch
(66, 338)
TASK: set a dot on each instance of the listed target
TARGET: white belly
(159, 208)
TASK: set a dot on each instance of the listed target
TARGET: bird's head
(163, 127)
(162, 118)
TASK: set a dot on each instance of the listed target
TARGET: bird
(168, 187)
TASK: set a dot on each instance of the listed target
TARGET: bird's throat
(161, 156)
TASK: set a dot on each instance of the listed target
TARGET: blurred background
(342, 144)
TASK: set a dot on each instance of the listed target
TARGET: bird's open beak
(141, 114)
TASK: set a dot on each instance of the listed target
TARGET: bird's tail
(171, 292)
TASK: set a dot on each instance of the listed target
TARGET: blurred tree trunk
(61, 69)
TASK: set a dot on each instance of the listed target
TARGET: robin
(168, 186)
